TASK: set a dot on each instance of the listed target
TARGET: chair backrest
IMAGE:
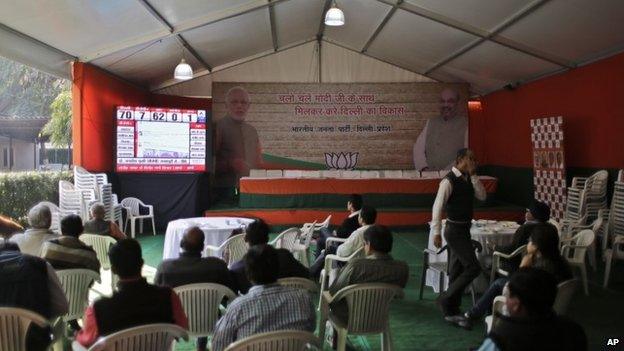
(100, 244)
(148, 337)
(369, 306)
(299, 283)
(282, 340)
(14, 323)
(132, 205)
(76, 284)
(201, 304)
(235, 246)
(287, 239)
(583, 240)
(565, 292)
(306, 234)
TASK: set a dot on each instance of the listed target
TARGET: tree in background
(59, 127)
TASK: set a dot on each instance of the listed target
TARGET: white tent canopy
(489, 44)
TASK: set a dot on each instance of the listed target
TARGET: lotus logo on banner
(343, 160)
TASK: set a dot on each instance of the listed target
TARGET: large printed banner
(338, 126)
(549, 176)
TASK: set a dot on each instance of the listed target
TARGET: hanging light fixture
(334, 16)
(183, 71)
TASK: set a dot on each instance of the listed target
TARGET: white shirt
(444, 192)
(353, 243)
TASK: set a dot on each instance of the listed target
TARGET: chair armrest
(336, 239)
(503, 255)
(211, 249)
(151, 209)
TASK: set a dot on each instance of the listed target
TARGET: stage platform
(393, 217)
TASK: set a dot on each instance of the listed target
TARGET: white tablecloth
(499, 233)
(216, 231)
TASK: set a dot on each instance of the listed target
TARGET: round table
(499, 233)
(216, 231)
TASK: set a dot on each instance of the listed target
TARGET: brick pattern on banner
(549, 178)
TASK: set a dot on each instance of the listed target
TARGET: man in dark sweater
(528, 321)
(346, 228)
(257, 234)
(135, 302)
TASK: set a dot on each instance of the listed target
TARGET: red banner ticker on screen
(160, 168)
(198, 125)
(121, 122)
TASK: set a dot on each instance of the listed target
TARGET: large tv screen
(160, 140)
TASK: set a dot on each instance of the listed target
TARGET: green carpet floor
(417, 325)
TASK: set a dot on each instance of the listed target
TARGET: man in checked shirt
(267, 306)
(455, 197)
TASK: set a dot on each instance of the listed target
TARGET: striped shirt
(265, 308)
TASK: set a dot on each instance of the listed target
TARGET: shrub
(19, 191)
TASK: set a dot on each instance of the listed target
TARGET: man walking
(455, 196)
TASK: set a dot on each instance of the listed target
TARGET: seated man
(134, 303)
(529, 322)
(348, 225)
(98, 225)
(29, 282)
(538, 213)
(191, 268)
(39, 219)
(67, 252)
(267, 306)
(257, 234)
(366, 218)
(377, 267)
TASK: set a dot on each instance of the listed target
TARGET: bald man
(442, 137)
(237, 145)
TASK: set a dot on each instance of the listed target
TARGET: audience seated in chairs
(29, 282)
(346, 228)
(529, 321)
(67, 252)
(98, 225)
(542, 253)
(31, 241)
(366, 217)
(537, 214)
(134, 303)
(191, 268)
(267, 306)
(257, 234)
(9, 227)
(377, 267)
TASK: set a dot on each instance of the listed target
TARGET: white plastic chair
(14, 323)
(101, 244)
(232, 250)
(616, 252)
(369, 307)
(300, 250)
(201, 303)
(496, 261)
(150, 337)
(497, 306)
(328, 272)
(133, 213)
(576, 251)
(299, 283)
(287, 239)
(76, 284)
(282, 340)
(565, 293)
(317, 226)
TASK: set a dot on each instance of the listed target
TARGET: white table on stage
(499, 233)
(216, 231)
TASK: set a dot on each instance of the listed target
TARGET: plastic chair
(282, 340)
(615, 252)
(287, 239)
(442, 268)
(299, 283)
(76, 284)
(101, 244)
(232, 250)
(369, 307)
(497, 308)
(150, 337)
(565, 292)
(576, 251)
(496, 263)
(201, 303)
(133, 212)
(301, 247)
(326, 272)
(14, 323)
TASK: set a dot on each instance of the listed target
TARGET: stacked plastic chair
(613, 246)
(74, 201)
(587, 196)
(98, 183)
